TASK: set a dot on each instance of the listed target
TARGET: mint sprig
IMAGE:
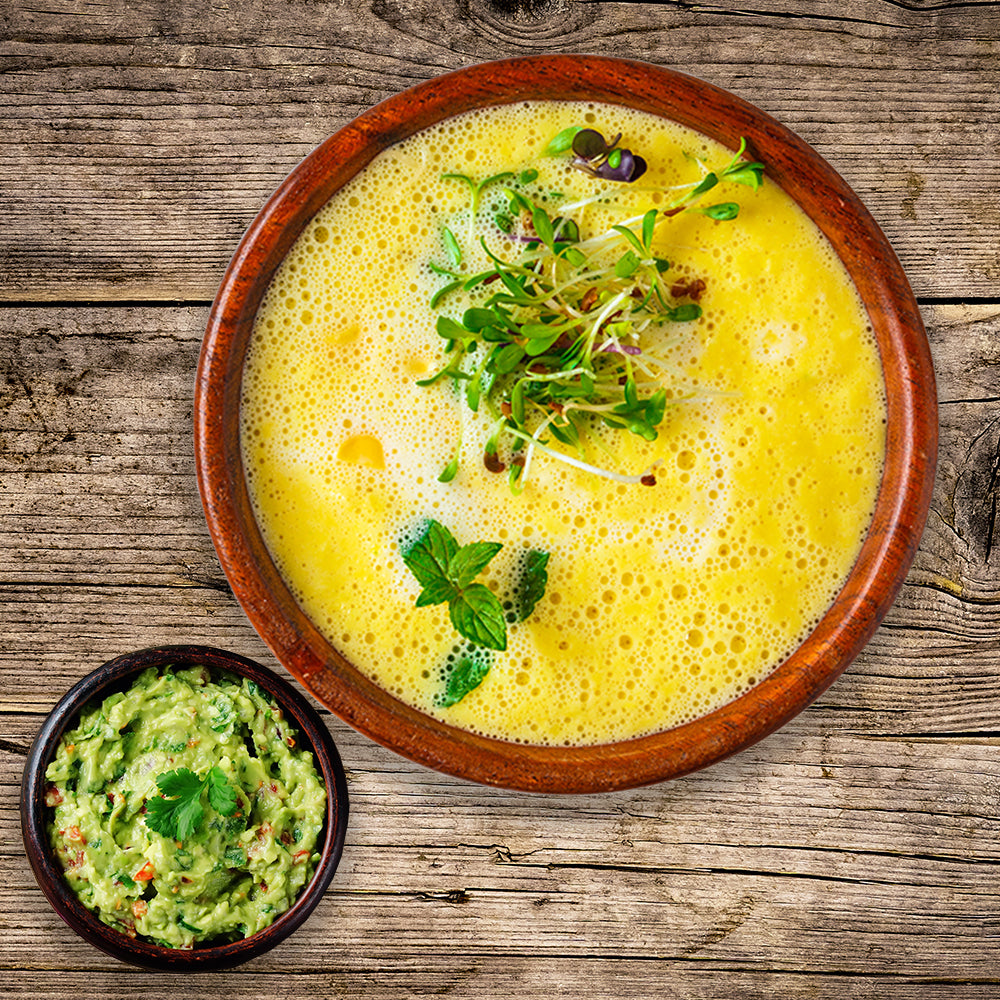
(446, 573)
(179, 811)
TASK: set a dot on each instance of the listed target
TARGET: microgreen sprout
(574, 333)
(595, 155)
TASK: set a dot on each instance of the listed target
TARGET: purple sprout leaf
(588, 144)
(625, 167)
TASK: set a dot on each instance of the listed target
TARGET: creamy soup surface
(663, 601)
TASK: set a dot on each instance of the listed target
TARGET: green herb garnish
(575, 332)
(180, 810)
(465, 676)
(531, 586)
(446, 572)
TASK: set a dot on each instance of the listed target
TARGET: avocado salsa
(184, 811)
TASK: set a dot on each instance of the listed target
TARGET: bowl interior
(903, 498)
(119, 674)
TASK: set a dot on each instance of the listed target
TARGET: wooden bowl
(119, 674)
(903, 497)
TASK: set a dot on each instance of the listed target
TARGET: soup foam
(663, 602)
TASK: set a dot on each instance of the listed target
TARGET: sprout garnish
(574, 331)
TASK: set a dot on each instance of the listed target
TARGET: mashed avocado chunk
(232, 837)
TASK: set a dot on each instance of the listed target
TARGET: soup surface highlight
(672, 588)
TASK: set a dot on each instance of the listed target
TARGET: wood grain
(142, 141)
(894, 853)
(852, 854)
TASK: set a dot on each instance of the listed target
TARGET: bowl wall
(903, 498)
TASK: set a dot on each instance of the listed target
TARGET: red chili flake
(299, 856)
(648, 480)
(290, 740)
(53, 796)
(263, 887)
(286, 837)
(75, 833)
(139, 908)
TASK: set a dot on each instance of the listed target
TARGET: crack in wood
(455, 897)
(957, 591)
(732, 920)
(18, 749)
(748, 12)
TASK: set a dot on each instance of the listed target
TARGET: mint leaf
(446, 572)
(427, 559)
(221, 795)
(478, 615)
(436, 592)
(470, 560)
(466, 676)
(531, 586)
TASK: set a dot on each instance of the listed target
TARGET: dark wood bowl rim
(118, 673)
(903, 499)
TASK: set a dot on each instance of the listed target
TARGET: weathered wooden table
(852, 854)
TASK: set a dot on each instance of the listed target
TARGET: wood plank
(139, 143)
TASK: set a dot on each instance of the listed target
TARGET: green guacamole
(242, 829)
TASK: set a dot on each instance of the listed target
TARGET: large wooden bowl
(903, 497)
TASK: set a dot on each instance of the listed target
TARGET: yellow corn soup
(665, 598)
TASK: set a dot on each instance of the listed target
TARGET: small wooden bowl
(119, 674)
(903, 498)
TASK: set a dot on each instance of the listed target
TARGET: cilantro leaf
(221, 794)
(176, 815)
(179, 810)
